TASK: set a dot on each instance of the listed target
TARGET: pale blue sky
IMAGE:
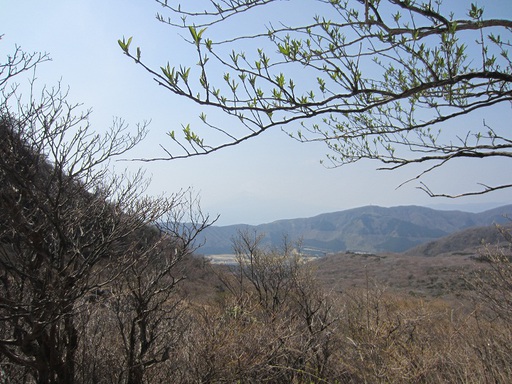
(271, 177)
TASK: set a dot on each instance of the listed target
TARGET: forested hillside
(87, 274)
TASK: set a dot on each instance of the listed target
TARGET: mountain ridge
(369, 228)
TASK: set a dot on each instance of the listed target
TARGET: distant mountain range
(370, 229)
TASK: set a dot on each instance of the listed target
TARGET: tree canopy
(372, 79)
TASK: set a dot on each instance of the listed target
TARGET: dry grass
(362, 319)
(419, 276)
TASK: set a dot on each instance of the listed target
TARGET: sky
(268, 178)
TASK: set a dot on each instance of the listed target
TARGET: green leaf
(184, 73)
(285, 50)
(125, 45)
(196, 36)
(475, 12)
(280, 80)
(201, 33)
(193, 32)
(122, 44)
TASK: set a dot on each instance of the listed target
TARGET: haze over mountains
(370, 229)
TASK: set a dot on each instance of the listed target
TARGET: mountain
(365, 229)
(469, 242)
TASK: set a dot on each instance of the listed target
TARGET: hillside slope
(470, 241)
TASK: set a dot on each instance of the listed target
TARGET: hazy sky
(271, 177)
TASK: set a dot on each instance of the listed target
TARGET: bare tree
(69, 226)
(276, 296)
(270, 273)
(371, 79)
(145, 301)
(493, 283)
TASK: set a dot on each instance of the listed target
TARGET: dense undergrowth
(267, 320)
